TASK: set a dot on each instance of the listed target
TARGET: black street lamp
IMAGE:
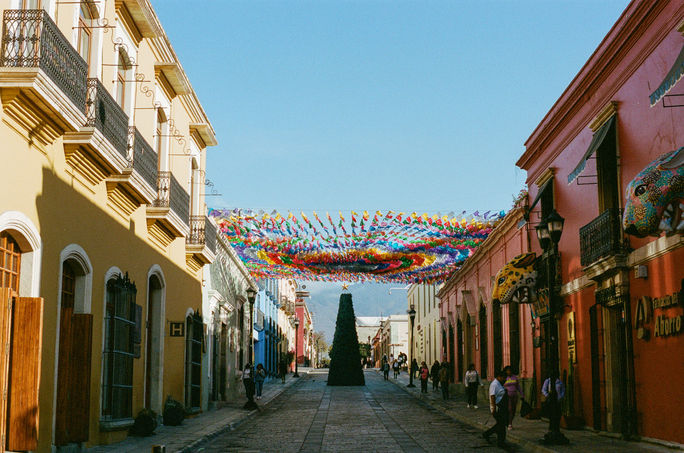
(251, 296)
(549, 232)
(296, 323)
(412, 317)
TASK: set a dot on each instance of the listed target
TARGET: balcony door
(154, 344)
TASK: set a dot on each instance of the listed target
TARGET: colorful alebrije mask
(517, 274)
(655, 197)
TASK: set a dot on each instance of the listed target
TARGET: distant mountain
(370, 299)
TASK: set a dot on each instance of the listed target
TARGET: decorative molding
(121, 201)
(655, 249)
(548, 174)
(604, 115)
(159, 235)
(91, 172)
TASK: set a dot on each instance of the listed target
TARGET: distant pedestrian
(248, 382)
(396, 367)
(472, 381)
(434, 374)
(424, 376)
(259, 378)
(444, 380)
(498, 406)
(385, 369)
(283, 370)
(514, 391)
(414, 368)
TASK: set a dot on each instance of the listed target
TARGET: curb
(511, 437)
(192, 447)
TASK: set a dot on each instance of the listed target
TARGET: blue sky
(403, 105)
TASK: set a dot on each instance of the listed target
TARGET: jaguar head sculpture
(655, 198)
(516, 274)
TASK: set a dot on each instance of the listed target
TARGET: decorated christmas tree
(345, 359)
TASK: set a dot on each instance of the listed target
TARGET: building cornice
(599, 72)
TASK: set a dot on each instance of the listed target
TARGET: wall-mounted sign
(572, 351)
(176, 329)
(665, 323)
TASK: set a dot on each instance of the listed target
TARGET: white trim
(74, 252)
(30, 241)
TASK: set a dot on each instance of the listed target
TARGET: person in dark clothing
(414, 368)
(444, 380)
(434, 374)
(498, 406)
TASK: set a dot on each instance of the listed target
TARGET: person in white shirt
(472, 381)
(498, 406)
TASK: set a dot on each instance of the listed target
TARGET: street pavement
(377, 417)
(525, 433)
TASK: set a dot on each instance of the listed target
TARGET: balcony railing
(30, 39)
(179, 201)
(145, 159)
(197, 230)
(104, 113)
(170, 194)
(600, 238)
(210, 235)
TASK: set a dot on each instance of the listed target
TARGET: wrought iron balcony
(600, 238)
(179, 200)
(210, 235)
(163, 189)
(30, 39)
(104, 113)
(143, 158)
(197, 230)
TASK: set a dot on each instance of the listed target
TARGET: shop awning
(596, 141)
(670, 79)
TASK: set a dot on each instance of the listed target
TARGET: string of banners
(384, 247)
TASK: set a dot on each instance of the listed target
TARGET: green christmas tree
(345, 359)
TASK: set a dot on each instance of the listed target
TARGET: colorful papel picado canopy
(383, 247)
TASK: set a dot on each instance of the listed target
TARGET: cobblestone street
(311, 417)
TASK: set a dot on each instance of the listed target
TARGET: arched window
(119, 325)
(10, 262)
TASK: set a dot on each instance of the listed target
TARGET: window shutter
(24, 377)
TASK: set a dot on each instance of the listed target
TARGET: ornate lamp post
(296, 323)
(549, 232)
(251, 296)
(412, 317)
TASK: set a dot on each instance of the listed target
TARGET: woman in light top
(512, 386)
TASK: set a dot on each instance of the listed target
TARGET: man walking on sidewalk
(498, 406)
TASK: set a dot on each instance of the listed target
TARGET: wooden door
(72, 422)
(5, 323)
(24, 373)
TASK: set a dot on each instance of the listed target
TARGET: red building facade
(621, 338)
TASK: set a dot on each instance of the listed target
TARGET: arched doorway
(72, 415)
(514, 335)
(461, 346)
(484, 356)
(451, 352)
(154, 333)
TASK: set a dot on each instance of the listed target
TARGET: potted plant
(174, 412)
(145, 423)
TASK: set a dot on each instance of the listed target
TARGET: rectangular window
(121, 72)
(84, 32)
(117, 386)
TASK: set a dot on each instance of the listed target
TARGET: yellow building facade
(102, 219)
(427, 339)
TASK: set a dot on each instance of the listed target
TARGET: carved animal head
(516, 274)
(655, 197)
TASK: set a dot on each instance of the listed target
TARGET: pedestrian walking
(472, 381)
(248, 382)
(385, 369)
(283, 370)
(444, 380)
(512, 385)
(550, 405)
(259, 378)
(424, 376)
(414, 368)
(498, 406)
(434, 373)
(396, 368)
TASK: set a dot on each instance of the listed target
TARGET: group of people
(439, 373)
(396, 365)
(253, 379)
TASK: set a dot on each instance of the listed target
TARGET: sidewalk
(525, 433)
(205, 426)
